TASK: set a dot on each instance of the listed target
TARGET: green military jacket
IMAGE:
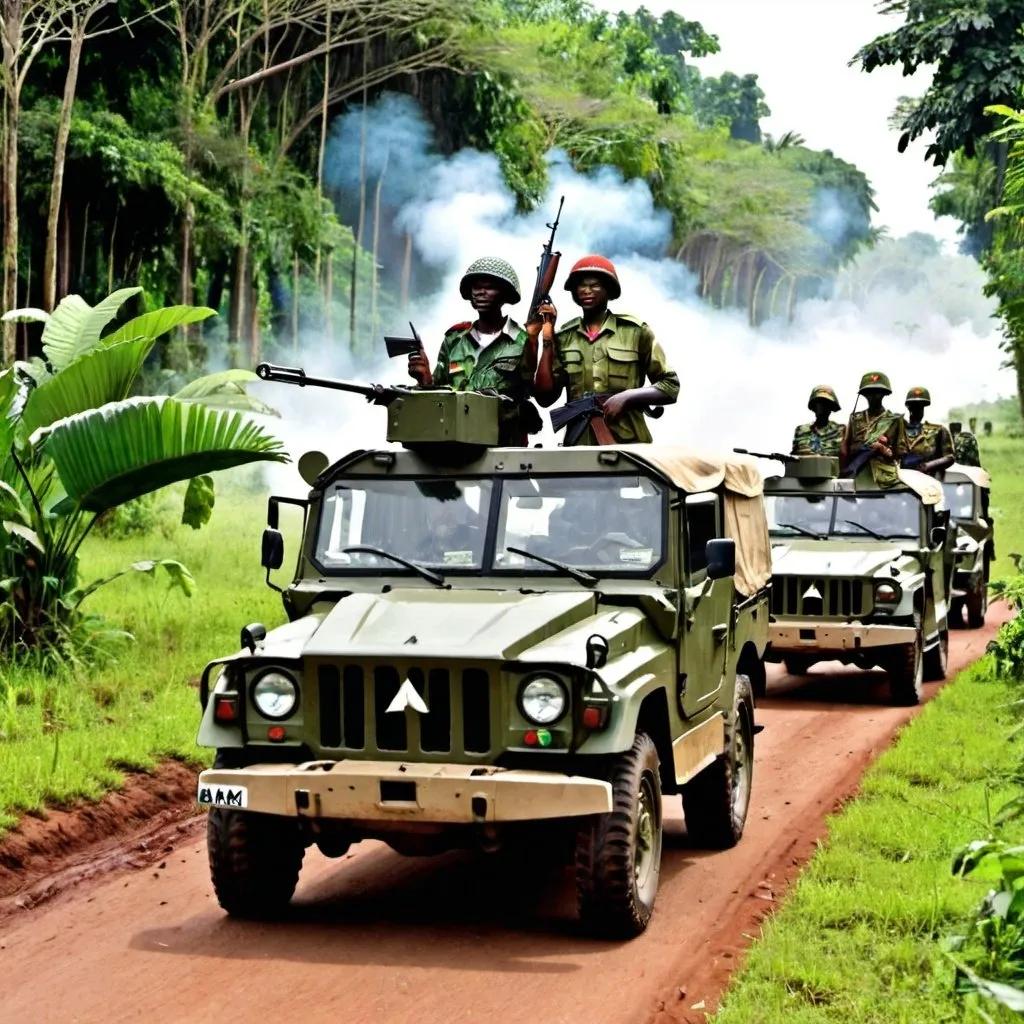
(464, 366)
(809, 440)
(928, 440)
(889, 426)
(966, 449)
(620, 358)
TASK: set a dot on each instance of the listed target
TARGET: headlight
(543, 700)
(887, 593)
(275, 694)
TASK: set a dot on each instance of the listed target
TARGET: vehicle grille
(353, 715)
(840, 599)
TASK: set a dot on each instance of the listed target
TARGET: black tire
(618, 855)
(254, 861)
(906, 670)
(715, 802)
(977, 603)
(937, 659)
(956, 613)
(797, 664)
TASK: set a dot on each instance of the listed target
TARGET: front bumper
(397, 791)
(836, 636)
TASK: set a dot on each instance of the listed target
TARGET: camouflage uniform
(966, 448)
(809, 440)
(887, 427)
(925, 441)
(620, 358)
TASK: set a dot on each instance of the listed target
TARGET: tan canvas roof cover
(695, 471)
(975, 474)
(925, 487)
(745, 520)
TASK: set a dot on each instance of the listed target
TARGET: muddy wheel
(936, 660)
(956, 613)
(715, 802)
(618, 855)
(797, 664)
(254, 861)
(977, 603)
(906, 670)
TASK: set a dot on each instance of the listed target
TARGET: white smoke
(740, 386)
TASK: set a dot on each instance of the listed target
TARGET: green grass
(1003, 457)
(69, 737)
(859, 937)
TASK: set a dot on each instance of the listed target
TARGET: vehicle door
(707, 610)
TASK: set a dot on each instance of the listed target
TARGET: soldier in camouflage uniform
(491, 353)
(929, 445)
(875, 436)
(965, 446)
(824, 436)
(603, 353)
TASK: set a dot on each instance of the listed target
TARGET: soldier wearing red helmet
(602, 353)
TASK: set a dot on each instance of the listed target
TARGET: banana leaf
(97, 378)
(158, 322)
(74, 326)
(121, 451)
(225, 390)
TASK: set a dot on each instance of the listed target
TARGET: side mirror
(253, 634)
(273, 513)
(272, 556)
(597, 651)
(720, 555)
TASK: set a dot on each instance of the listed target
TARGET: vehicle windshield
(959, 499)
(867, 516)
(609, 523)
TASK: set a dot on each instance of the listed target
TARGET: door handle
(720, 632)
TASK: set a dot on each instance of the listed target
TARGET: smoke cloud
(740, 386)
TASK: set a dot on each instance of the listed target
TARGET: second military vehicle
(491, 643)
(861, 575)
(966, 490)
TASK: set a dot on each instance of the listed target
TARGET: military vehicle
(860, 575)
(966, 490)
(487, 646)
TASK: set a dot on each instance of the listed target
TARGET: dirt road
(383, 939)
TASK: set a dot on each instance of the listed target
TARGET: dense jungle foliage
(179, 146)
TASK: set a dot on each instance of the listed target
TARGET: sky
(799, 49)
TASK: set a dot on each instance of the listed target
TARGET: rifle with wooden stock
(546, 269)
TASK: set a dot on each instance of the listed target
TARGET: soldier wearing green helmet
(875, 436)
(929, 445)
(824, 436)
(491, 352)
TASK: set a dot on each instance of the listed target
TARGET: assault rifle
(588, 411)
(546, 269)
(403, 346)
(775, 456)
(378, 394)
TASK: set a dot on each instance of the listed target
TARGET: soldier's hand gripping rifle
(546, 269)
(375, 393)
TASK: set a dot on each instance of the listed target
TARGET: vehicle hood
(449, 624)
(822, 558)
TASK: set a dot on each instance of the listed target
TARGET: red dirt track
(380, 938)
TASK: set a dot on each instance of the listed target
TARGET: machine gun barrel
(296, 375)
(775, 456)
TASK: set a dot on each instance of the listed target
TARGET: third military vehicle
(485, 643)
(860, 574)
(966, 490)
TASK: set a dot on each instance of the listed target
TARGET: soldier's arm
(797, 442)
(551, 377)
(664, 380)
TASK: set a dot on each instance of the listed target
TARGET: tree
(738, 101)
(977, 50)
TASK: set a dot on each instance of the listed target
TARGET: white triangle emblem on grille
(408, 697)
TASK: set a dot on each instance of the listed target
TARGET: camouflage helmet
(875, 381)
(920, 396)
(491, 266)
(825, 392)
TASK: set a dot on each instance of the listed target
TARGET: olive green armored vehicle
(966, 490)
(860, 575)
(486, 644)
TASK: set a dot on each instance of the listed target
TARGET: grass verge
(63, 738)
(858, 939)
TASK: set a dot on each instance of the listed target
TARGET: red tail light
(225, 707)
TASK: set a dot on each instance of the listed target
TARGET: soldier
(965, 446)
(492, 352)
(929, 445)
(875, 436)
(604, 354)
(824, 436)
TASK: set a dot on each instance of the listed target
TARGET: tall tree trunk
(376, 247)
(85, 242)
(252, 291)
(295, 300)
(215, 289)
(323, 134)
(236, 317)
(110, 255)
(362, 214)
(64, 262)
(406, 271)
(59, 154)
(329, 297)
(12, 116)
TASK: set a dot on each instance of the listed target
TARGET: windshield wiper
(866, 529)
(428, 574)
(577, 574)
(803, 530)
